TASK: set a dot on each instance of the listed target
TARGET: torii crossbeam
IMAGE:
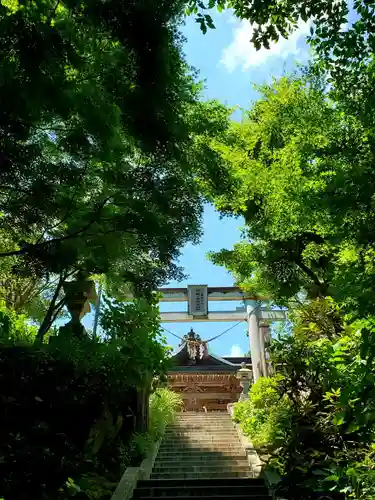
(254, 312)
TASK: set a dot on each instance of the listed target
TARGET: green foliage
(299, 171)
(343, 44)
(102, 381)
(265, 417)
(133, 328)
(100, 151)
(301, 186)
(52, 444)
(276, 184)
(164, 404)
(277, 19)
(15, 328)
(326, 378)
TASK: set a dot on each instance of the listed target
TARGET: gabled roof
(209, 362)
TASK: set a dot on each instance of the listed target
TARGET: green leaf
(332, 478)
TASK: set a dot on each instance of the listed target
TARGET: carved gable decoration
(192, 388)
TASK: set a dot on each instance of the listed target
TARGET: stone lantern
(245, 376)
(78, 294)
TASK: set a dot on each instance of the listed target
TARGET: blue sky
(230, 66)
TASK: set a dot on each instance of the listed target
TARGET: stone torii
(254, 311)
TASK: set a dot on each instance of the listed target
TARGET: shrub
(71, 408)
(265, 416)
(59, 420)
(15, 328)
(164, 404)
(326, 377)
(134, 328)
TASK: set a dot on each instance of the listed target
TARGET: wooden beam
(207, 395)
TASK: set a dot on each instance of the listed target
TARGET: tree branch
(70, 204)
(59, 308)
(53, 11)
(309, 273)
(46, 323)
(27, 248)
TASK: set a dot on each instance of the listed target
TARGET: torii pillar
(257, 333)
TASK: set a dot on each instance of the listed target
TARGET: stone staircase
(201, 456)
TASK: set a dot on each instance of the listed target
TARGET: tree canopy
(300, 167)
(97, 137)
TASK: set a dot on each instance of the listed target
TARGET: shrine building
(205, 381)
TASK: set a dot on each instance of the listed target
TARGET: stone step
(208, 445)
(180, 450)
(202, 440)
(224, 419)
(204, 473)
(201, 432)
(213, 457)
(208, 449)
(199, 454)
(190, 483)
(202, 421)
(198, 446)
(196, 441)
(206, 423)
(252, 489)
(203, 437)
(198, 433)
(209, 416)
(212, 464)
(201, 475)
(209, 420)
(185, 430)
(201, 425)
(214, 497)
(217, 461)
(205, 432)
(186, 470)
(198, 460)
(195, 431)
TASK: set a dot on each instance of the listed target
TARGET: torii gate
(257, 316)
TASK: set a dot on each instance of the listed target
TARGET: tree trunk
(50, 314)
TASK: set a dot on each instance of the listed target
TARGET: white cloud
(242, 53)
(236, 351)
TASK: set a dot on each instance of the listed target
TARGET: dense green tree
(99, 138)
(301, 175)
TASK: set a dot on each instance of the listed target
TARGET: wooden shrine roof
(208, 363)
